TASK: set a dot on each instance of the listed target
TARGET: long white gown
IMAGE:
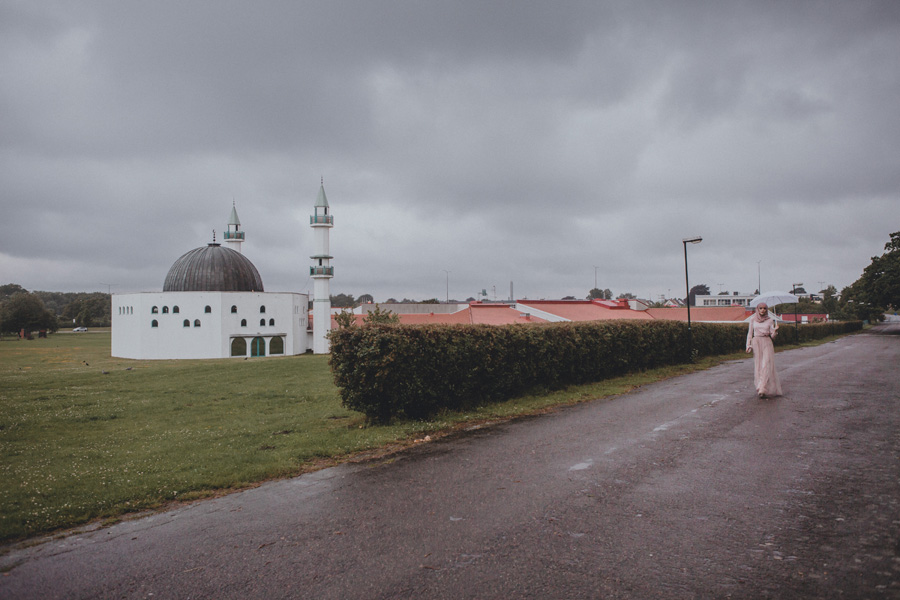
(759, 339)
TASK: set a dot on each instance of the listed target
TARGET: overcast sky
(538, 143)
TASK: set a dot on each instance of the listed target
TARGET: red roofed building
(550, 311)
(702, 314)
(453, 314)
(581, 310)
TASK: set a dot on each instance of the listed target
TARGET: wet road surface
(689, 488)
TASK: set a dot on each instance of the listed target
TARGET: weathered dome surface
(213, 269)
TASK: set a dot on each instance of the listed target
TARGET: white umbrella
(773, 298)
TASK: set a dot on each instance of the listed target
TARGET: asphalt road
(689, 488)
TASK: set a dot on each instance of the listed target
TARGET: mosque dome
(213, 269)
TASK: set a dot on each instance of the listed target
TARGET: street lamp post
(687, 287)
(758, 278)
(448, 285)
(796, 319)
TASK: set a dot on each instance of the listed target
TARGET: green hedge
(789, 333)
(412, 372)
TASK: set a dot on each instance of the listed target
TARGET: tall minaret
(321, 271)
(234, 236)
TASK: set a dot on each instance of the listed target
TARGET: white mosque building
(213, 305)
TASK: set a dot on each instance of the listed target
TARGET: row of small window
(262, 322)
(126, 310)
(207, 309)
(187, 323)
(175, 310)
(262, 309)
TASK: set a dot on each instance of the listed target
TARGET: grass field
(84, 436)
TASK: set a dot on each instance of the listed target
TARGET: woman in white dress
(763, 329)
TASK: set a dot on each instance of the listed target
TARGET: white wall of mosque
(184, 325)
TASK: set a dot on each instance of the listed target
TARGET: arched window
(276, 346)
(196, 322)
(233, 309)
(165, 310)
(208, 309)
(271, 322)
(262, 322)
(238, 347)
(243, 322)
(154, 310)
(175, 310)
(187, 322)
(154, 323)
(262, 309)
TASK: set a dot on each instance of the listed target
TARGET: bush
(412, 372)
(789, 333)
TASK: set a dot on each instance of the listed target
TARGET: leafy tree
(878, 289)
(345, 319)
(597, 293)
(343, 301)
(829, 300)
(26, 311)
(805, 306)
(381, 317)
(882, 277)
(88, 310)
(846, 309)
(431, 301)
(701, 289)
(366, 299)
(627, 296)
(11, 289)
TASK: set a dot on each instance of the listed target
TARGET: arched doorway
(258, 347)
(239, 347)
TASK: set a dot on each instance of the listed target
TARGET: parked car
(80, 329)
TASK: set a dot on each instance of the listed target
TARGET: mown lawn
(84, 436)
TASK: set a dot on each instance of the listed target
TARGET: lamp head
(692, 240)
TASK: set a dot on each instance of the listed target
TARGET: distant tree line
(35, 311)
(598, 294)
(348, 301)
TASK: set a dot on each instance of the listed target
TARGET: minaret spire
(321, 271)
(233, 235)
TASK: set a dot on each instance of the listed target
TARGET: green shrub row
(790, 333)
(412, 372)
